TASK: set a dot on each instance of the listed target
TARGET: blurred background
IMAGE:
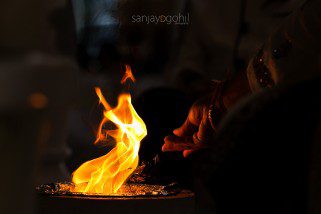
(53, 53)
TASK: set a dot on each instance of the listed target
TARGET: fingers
(193, 134)
(192, 138)
(175, 143)
(205, 132)
(187, 153)
(192, 122)
(186, 130)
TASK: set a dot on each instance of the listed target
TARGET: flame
(106, 174)
(128, 75)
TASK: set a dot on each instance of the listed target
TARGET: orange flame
(106, 174)
(128, 75)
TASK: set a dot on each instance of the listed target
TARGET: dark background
(53, 53)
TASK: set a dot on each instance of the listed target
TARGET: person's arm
(290, 55)
(201, 124)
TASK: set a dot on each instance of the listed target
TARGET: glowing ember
(106, 174)
(126, 190)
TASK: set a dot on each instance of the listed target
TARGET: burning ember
(107, 174)
(126, 190)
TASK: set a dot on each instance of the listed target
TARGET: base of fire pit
(182, 202)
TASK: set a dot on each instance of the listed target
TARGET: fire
(106, 174)
(128, 75)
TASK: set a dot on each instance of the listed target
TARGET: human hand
(196, 133)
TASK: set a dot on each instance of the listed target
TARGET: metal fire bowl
(155, 199)
(127, 190)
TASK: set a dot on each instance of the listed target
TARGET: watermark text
(178, 19)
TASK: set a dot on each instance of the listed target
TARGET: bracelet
(216, 108)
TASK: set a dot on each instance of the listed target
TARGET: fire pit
(182, 202)
(127, 190)
(103, 185)
(133, 198)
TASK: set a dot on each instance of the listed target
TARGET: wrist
(216, 109)
(237, 88)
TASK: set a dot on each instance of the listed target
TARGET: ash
(127, 190)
